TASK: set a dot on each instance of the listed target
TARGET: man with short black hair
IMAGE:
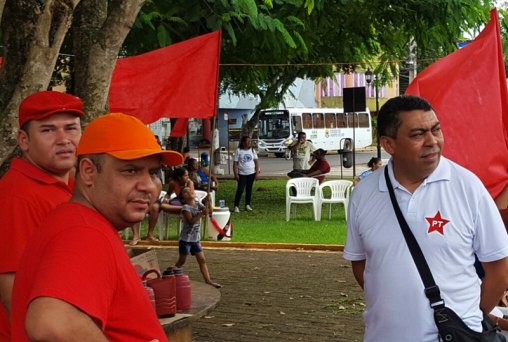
(449, 212)
(301, 151)
(49, 131)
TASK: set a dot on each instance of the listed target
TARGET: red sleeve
(79, 268)
(17, 225)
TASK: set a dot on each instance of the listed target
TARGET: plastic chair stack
(340, 190)
(307, 192)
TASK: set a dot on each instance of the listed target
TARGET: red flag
(468, 91)
(178, 81)
(180, 128)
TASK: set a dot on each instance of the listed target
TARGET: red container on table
(150, 293)
(165, 293)
(183, 290)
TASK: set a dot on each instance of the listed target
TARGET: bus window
(297, 124)
(352, 120)
(319, 121)
(330, 120)
(273, 125)
(341, 120)
(307, 120)
(363, 120)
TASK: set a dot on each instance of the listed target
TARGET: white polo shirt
(452, 217)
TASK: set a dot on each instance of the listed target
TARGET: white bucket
(221, 216)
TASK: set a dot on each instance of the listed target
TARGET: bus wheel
(279, 155)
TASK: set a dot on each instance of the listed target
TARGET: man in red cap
(77, 282)
(49, 131)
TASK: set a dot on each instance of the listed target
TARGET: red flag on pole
(178, 81)
(180, 128)
(468, 91)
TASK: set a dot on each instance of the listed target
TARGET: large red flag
(180, 128)
(177, 81)
(468, 91)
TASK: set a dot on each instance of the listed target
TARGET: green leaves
(163, 36)
(279, 40)
(247, 7)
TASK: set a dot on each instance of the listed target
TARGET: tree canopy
(266, 44)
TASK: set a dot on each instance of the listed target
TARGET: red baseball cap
(45, 103)
(124, 137)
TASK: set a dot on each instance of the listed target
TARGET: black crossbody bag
(450, 326)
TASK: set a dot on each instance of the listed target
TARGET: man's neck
(63, 177)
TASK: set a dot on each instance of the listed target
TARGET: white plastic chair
(200, 195)
(304, 187)
(340, 194)
(163, 219)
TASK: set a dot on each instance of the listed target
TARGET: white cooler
(221, 216)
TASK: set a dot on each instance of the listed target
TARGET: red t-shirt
(77, 256)
(321, 165)
(27, 195)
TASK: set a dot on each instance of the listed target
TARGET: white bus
(327, 128)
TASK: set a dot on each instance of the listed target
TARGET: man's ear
(23, 139)
(388, 144)
(87, 171)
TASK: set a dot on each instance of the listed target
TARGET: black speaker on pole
(354, 99)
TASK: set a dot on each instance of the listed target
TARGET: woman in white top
(246, 169)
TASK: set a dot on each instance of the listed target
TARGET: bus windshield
(274, 124)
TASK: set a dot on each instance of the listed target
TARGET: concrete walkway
(279, 295)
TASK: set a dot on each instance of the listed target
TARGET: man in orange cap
(77, 282)
(49, 131)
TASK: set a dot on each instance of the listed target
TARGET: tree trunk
(33, 36)
(98, 40)
(2, 4)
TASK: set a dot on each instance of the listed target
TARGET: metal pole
(229, 157)
(377, 115)
(354, 140)
(211, 162)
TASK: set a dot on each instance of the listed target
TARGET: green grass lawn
(267, 223)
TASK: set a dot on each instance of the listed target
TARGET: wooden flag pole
(211, 164)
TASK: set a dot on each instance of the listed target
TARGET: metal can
(222, 203)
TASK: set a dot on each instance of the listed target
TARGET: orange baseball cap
(45, 103)
(124, 137)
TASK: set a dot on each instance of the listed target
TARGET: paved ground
(279, 167)
(278, 296)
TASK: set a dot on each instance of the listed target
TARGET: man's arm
(494, 283)
(51, 319)
(358, 269)
(504, 216)
(294, 148)
(6, 282)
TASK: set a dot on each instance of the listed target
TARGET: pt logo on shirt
(436, 223)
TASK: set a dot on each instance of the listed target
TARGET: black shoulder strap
(431, 289)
